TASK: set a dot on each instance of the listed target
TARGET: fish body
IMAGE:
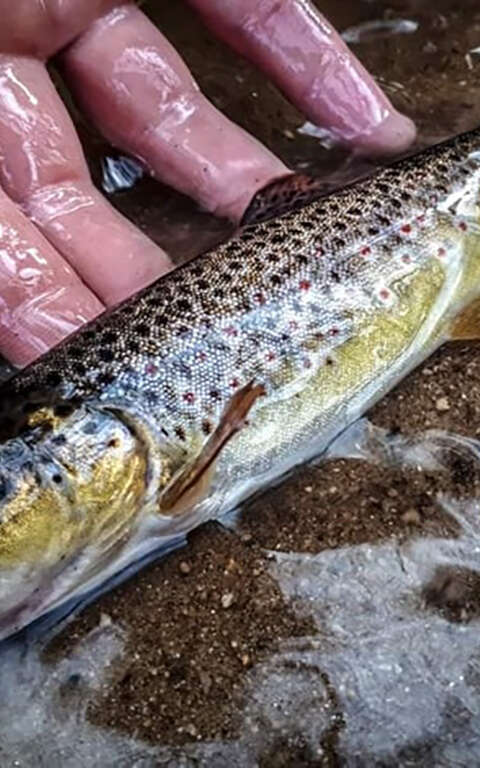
(209, 385)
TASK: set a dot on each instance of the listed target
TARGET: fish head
(73, 484)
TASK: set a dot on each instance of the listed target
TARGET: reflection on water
(391, 675)
(379, 28)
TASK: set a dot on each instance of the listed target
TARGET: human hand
(65, 253)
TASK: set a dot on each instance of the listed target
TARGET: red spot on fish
(231, 331)
(406, 229)
(234, 383)
(366, 251)
(384, 294)
(304, 285)
(189, 397)
(333, 332)
(150, 368)
(201, 357)
(259, 298)
(270, 356)
(463, 226)
(320, 252)
(441, 252)
(421, 219)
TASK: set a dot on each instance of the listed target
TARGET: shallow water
(336, 621)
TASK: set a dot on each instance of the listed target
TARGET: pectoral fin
(466, 325)
(191, 484)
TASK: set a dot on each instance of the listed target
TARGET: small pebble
(442, 404)
(308, 489)
(227, 599)
(185, 567)
(411, 517)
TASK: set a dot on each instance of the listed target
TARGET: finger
(42, 300)
(42, 27)
(143, 98)
(301, 52)
(43, 169)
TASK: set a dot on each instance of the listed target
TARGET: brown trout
(177, 406)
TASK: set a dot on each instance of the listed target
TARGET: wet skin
(65, 253)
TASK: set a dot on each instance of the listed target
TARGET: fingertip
(392, 136)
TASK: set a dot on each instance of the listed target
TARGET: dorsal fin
(284, 196)
(188, 486)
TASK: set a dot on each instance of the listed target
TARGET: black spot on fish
(180, 432)
(142, 329)
(384, 220)
(183, 305)
(53, 379)
(206, 427)
(110, 337)
(106, 355)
